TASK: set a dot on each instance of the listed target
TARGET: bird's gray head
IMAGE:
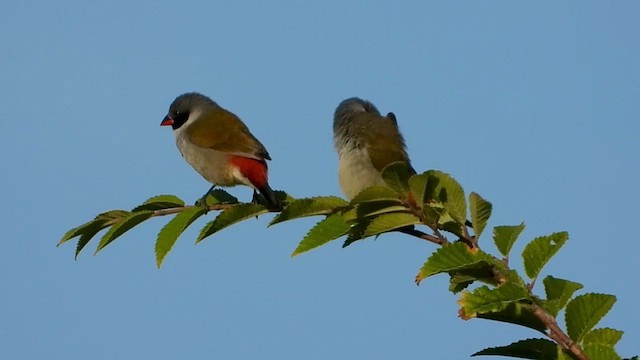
(185, 105)
(348, 108)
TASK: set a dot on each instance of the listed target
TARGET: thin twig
(556, 334)
(215, 207)
(419, 234)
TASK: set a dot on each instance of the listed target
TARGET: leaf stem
(440, 240)
(556, 334)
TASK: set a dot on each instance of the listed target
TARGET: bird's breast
(355, 170)
(213, 165)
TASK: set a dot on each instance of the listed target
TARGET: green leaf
(459, 282)
(310, 207)
(456, 258)
(89, 233)
(324, 231)
(585, 311)
(159, 202)
(230, 216)
(108, 218)
(605, 336)
(396, 176)
(525, 349)
(540, 250)
(378, 208)
(441, 187)
(432, 214)
(516, 313)
(356, 232)
(480, 213)
(376, 193)
(77, 231)
(490, 300)
(558, 291)
(505, 236)
(600, 352)
(169, 234)
(219, 196)
(388, 222)
(418, 187)
(123, 226)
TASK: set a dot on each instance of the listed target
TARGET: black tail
(270, 196)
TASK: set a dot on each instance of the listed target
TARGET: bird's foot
(203, 200)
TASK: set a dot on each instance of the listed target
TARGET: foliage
(434, 201)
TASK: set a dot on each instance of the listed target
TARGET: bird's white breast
(355, 170)
(213, 165)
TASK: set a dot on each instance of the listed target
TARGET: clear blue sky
(537, 108)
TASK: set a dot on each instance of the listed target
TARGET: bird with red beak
(218, 145)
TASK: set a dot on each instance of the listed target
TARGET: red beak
(167, 121)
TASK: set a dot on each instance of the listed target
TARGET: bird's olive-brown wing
(223, 131)
(384, 142)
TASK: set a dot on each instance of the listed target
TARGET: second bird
(218, 145)
(366, 143)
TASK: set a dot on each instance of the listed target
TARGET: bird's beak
(167, 121)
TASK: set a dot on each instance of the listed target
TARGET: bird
(366, 142)
(218, 145)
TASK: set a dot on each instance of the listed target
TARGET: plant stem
(556, 334)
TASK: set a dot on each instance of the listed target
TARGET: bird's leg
(257, 198)
(203, 200)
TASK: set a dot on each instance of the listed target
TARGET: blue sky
(534, 107)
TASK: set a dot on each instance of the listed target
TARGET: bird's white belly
(356, 172)
(213, 165)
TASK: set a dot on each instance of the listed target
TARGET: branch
(556, 334)
(440, 240)
(175, 210)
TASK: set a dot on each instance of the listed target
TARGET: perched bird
(218, 145)
(366, 142)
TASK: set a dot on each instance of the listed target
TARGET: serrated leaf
(89, 233)
(459, 282)
(585, 311)
(123, 226)
(600, 352)
(230, 216)
(76, 231)
(485, 300)
(388, 222)
(378, 208)
(356, 232)
(376, 193)
(540, 250)
(113, 216)
(457, 257)
(284, 198)
(219, 196)
(516, 313)
(558, 291)
(480, 213)
(310, 207)
(606, 336)
(324, 231)
(505, 236)
(418, 187)
(432, 215)
(159, 202)
(443, 188)
(396, 176)
(525, 349)
(169, 234)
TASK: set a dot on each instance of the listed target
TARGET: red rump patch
(252, 169)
